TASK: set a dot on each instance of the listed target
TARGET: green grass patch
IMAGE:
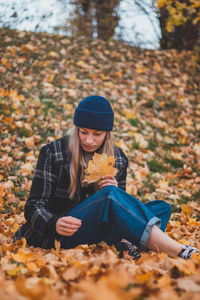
(156, 166)
(152, 145)
(174, 163)
(148, 104)
(48, 106)
(23, 132)
(6, 209)
(196, 197)
(135, 144)
(172, 104)
(134, 122)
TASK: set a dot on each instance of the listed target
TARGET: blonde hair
(78, 162)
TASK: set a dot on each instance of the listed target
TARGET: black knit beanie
(94, 112)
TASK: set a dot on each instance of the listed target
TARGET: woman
(61, 207)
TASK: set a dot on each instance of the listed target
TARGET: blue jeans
(112, 214)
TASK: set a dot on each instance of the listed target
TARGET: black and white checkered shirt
(49, 196)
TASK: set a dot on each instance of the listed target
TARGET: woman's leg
(160, 209)
(160, 242)
(109, 215)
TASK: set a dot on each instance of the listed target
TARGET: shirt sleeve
(36, 213)
(122, 165)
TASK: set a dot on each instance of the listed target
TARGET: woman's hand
(108, 180)
(67, 226)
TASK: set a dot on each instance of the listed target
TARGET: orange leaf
(33, 288)
(2, 193)
(144, 278)
(22, 256)
(57, 250)
(26, 169)
(16, 270)
(101, 165)
(186, 209)
(6, 63)
(31, 266)
(30, 142)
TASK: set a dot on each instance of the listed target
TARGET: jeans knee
(167, 208)
(159, 207)
(109, 189)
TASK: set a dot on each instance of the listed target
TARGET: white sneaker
(187, 252)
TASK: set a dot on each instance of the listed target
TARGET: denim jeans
(112, 214)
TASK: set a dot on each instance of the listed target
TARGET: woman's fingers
(67, 225)
(108, 180)
(66, 229)
(67, 232)
(72, 220)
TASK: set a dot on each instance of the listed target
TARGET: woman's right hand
(67, 226)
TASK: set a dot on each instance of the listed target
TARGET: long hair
(78, 161)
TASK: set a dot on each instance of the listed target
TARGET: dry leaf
(33, 288)
(26, 169)
(100, 165)
(188, 284)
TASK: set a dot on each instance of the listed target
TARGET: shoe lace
(188, 251)
(131, 250)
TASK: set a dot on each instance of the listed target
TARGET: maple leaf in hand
(100, 165)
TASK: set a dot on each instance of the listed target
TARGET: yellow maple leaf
(186, 209)
(101, 165)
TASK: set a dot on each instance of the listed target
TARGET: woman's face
(90, 139)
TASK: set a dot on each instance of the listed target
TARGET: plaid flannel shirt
(49, 197)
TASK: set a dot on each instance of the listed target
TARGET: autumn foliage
(155, 96)
(180, 12)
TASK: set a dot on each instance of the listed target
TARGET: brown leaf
(188, 284)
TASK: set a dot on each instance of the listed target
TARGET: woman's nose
(89, 139)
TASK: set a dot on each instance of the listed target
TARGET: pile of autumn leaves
(157, 116)
(96, 272)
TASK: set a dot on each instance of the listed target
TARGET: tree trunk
(106, 17)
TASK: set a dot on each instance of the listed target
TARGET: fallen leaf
(188, 284)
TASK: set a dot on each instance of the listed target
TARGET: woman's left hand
(107, 180)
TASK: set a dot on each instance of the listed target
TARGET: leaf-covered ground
(155, 95)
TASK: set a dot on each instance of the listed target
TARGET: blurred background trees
(179, 23)
(175, 22)
(96, 18)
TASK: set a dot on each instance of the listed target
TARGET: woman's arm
(122, 165)
(36, 212)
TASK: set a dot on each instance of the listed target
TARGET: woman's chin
(89, 149)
